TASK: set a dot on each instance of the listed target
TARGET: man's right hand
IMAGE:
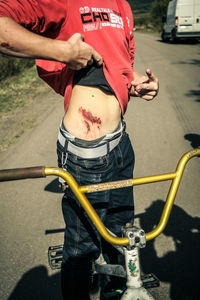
(79, 54)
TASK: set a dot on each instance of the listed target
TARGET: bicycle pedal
(150, 281)
(114, 294)
(55, 256)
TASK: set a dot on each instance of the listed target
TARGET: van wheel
(173, 36)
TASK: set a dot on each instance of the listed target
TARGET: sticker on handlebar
(192, 153)
(109, 185)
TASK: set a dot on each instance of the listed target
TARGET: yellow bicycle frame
(81, 191)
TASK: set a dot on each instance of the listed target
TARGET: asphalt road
(161, 131)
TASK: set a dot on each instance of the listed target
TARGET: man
(84, 51)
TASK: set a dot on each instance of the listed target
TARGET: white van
(182, 21)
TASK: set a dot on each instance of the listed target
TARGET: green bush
(142, 21)
(159, 9)
(10, 66)
(140, 7)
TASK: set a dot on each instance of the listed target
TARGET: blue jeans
(114, 207)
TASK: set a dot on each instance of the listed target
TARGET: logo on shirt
(98, 18)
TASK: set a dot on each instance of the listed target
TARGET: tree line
(152, 13)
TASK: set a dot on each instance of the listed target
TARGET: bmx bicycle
(132, 239)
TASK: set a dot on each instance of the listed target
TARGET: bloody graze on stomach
(89, 118)
(5, 45)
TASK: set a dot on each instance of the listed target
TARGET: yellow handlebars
(80, 194)
(36, 172)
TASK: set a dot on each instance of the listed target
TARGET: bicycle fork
(135, 289)
(136, 283)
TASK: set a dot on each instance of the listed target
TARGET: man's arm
(17, 41)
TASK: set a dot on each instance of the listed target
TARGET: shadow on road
(194, 93)
(37, 285)
(193, 138)
(181, 42)
(180, 268)
(191, 61)
(53, 187)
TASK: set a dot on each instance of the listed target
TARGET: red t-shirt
(102, 26)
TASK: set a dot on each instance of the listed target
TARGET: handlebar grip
(22, 173)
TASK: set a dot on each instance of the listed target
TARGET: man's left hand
(145, 87)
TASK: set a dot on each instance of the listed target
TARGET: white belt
(98, 151)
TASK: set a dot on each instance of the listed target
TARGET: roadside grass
(17, 93)
(16, 90)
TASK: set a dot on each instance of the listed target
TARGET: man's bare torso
(92, 113)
